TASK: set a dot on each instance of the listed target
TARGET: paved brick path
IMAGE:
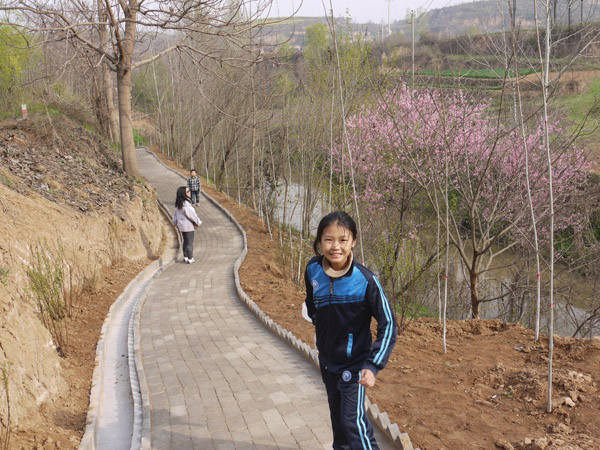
(216, 377)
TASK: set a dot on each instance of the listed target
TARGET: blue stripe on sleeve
(388, 329)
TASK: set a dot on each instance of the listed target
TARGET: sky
(361, 11)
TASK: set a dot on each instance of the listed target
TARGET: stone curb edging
(140, 438)
(132, 293)
(379, 419)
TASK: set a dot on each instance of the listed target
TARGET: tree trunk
(252, 183)
(107, 85)
(113, 113)
(545, 87)
(474, 292)
(130, 165)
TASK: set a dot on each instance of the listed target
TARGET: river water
(566, 317)
(568, 312)
(293, 209)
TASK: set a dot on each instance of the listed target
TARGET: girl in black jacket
(341, 297)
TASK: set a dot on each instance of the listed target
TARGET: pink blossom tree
(428, 144)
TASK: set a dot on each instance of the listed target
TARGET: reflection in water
(566, 317)
(294, 207)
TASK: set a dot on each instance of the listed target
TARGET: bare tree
(107, 84)
(130, 24)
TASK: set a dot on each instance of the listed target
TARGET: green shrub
(51, 110)
(416, 310)
(14, 59)
(4, 275)
(475, 73)
(47, 285)
(5, 422)
(6, 180)
(138, 139)
(586, 102)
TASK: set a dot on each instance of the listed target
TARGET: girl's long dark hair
(181, 197)
(337, 217)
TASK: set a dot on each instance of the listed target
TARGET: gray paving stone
(225, 445)
(242, 441)
(232, 411)
(183, 445)
(258, 430)
(179, 411)
(293, 420)
(180, 432)
(277, 427)
(279, 398)
(222, 435)
(199, 434)
(286, 409)
(236, 423)
(215, 422)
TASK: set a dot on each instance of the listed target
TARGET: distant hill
(486, 16)
(493, 16)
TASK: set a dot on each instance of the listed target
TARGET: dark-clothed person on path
(193, 184)
(341, 298)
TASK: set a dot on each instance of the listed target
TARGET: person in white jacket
(186, 220)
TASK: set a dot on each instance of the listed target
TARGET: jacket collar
(330, 271)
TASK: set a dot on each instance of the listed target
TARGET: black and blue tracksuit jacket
(341, 310)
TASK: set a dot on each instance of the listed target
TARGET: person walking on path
(193, 183)
(186, 220)
(341, 297)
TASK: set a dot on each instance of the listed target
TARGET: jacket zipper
(329, 312)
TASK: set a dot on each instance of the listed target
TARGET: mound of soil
(63, 162)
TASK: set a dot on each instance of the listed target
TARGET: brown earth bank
(487, 391)
(68, 213)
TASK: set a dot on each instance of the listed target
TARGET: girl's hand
(367, 378)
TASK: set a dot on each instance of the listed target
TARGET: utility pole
(412, 44)
(389, 2)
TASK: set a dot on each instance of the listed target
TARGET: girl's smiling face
(337, 243)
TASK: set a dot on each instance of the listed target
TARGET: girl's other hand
(367, 378)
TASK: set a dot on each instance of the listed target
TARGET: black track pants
(351, 426)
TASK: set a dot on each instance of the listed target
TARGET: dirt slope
(62, 197)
